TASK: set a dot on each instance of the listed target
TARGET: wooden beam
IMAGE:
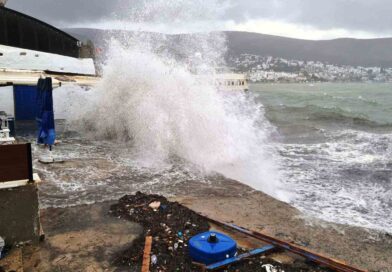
(19, 183)
(147, 254)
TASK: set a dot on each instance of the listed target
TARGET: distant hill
(354, 52)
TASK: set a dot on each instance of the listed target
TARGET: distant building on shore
(30, 49)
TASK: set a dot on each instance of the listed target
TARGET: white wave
(346, 180)
(149, 99)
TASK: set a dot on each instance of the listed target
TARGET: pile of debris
(171, 225)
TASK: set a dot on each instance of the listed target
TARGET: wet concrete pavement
(81, 238)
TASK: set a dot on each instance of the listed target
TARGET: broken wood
(147, 254)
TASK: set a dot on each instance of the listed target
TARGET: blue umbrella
(45, 114)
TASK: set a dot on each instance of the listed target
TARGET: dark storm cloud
(66, 11)
(366, 15)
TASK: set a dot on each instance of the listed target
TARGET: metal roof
(39, 21)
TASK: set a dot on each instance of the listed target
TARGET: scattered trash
(154, 259)
(2, 245)
(270, 268)
(155, 205)
(171, 227)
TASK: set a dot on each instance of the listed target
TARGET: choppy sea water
(335, 141)
(334, 157)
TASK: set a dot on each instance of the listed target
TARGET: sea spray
(158, 96)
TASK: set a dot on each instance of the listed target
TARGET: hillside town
(272, 69)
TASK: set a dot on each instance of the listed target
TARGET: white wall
(7, 100)
(60, 102)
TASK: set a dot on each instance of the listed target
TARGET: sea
(325, 148)
(335, 141)
(157, 122)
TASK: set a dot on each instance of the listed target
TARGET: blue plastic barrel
(211, 247)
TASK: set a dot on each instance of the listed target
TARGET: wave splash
(164, 105)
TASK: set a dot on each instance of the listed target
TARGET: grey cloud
(366, 15)
(65, 11)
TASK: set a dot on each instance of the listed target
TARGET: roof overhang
(24, 59)
(30, 78)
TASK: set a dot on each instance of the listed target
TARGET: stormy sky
(309, 19)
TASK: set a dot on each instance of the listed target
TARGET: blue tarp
(45, 114)
(25, 102)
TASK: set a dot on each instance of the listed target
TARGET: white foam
(150, 100)
(345, 180)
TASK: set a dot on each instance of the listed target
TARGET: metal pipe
(239, 258)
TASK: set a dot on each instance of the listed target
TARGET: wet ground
(171, 225)
(91, 171)
(80, 238)
(356, 246)
(89, 238)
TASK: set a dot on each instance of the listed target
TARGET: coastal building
(231, 82)
(274, 69)
(30, 49)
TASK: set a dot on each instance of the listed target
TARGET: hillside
(353, 52)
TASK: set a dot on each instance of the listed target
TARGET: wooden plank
(18, 183)
(147, 254)
(15, 162)
(239, 258)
